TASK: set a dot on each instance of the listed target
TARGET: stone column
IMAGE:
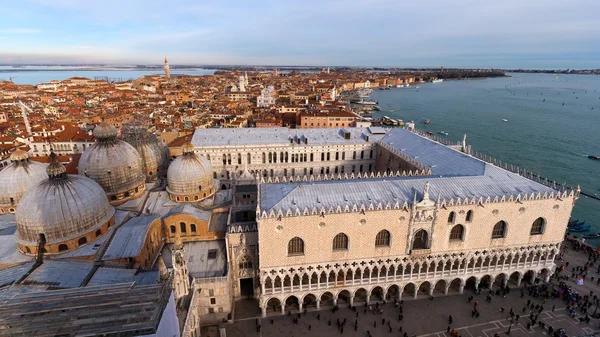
(309, 283)
(283, 308)
(461, 288)
(505, 282)
(335, 301)
(264, 311)
(299, 306)
(262, 286)
(351, 300)
(318, 304)
(519, 280)
(430, 290)
(547, 277)
(477, 284)
(447, 288)
(416, 291)
(401, 289)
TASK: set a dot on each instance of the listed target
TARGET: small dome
(187, 148)
(18, 177)
(62, 208)
(115, 165)
(190, 175)
(19, 155)
(105, 131)
(154, 155)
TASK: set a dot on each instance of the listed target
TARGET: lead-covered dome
(17, 178)
(114, 164)
(65, 211)
(190, 177)
(154, 155)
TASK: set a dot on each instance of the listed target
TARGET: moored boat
(593, 157)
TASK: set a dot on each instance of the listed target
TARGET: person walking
(449, 319)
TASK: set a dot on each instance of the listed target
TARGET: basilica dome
(154, 155)
(190, 177)
(114, 164)
(17, 178)
(65, 211)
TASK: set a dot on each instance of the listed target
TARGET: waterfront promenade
(426, 317)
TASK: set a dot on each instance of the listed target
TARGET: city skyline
(510, 34)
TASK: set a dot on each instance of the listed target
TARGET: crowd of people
(560, 287)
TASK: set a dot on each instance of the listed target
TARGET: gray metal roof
(191, 210)
(106, 275)
(443, 160)
(199, 265)
(130, 237)
(60, 274)
(12, 274)
(455, 175)
(264, 136)
(333, 193)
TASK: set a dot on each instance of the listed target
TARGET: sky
(387, 33)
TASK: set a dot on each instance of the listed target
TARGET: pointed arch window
(382, 239)
(538, 226)
(457, 233)
(340, 242)
(499, 230)
(296, 246)
(421, 240)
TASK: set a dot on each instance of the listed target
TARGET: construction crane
(24, 110)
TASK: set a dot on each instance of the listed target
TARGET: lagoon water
(545, 137)
(37, 74)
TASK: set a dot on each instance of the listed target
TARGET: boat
(365, 102)
(443, 133)
(576, 224)
(591, 236)
(426, 122)
(405, 85)
(505, 120)
(593, 157)
(376, 108)
(439, 80)
(580, 229)
(573, 221)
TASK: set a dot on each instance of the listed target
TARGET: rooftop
(281, 136)
(454, 176)
(200, 264)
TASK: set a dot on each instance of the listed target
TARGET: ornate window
(382, 239)
(421, 240)
(182, 227)
(245, 263)
(499, 230)
(296, 246)
(457, 233)
(538, 227)
(451, 217)
(340, 242)
(469, 217)
(173, 229)
(193, 228)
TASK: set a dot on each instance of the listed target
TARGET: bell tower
(167, 70)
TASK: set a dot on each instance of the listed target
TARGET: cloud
(20, 31)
